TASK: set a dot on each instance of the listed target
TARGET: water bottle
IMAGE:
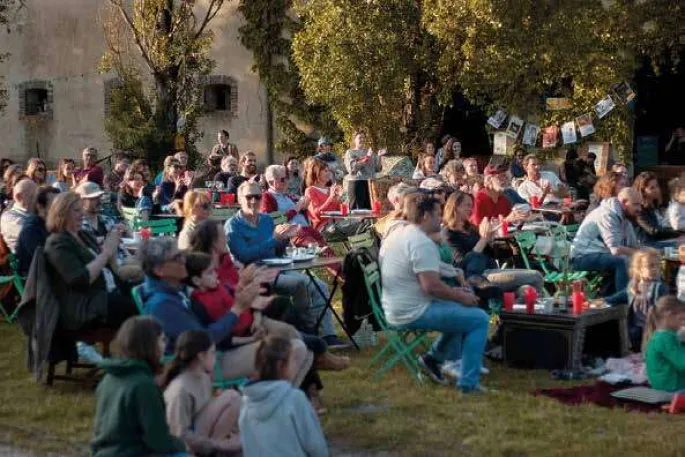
(365, 336)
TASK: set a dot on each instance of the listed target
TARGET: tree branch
(212, 10)
(136, 36)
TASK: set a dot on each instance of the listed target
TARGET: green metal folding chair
(401, 344)
(219, 382)
(18, 281)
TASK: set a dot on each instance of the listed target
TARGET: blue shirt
(249, 243)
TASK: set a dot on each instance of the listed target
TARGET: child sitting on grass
(665, 353)
(207, 424)
(643, 291)
(129, 414)
(276, 418)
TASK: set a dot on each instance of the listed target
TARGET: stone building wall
(55, 49)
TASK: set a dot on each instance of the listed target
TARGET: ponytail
(188, 346)
(650, 326)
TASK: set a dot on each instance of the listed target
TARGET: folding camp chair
(18, 282)
(401, 344)
(219, 381)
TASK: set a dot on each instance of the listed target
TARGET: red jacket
(218, 302)
(270, 205)
(484, 206)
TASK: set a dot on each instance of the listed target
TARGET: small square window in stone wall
(220, 95)
(35, 99)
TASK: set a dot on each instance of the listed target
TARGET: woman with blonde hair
(65, 174)
(196, 208)
(36, 171)
(82, 271)
(607, 186)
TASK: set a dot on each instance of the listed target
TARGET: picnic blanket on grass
(598, 394)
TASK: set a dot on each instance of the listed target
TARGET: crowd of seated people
(211, 310)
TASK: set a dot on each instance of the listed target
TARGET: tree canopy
(159, 50)
(361, 58)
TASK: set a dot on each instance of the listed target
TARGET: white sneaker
(452, 369)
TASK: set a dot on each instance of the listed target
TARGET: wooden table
(557, 340)
(307, 267)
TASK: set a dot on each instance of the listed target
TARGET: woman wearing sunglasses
(196, 208)
(174, 184)
(133, 195)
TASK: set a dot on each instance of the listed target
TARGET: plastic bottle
(365, 336)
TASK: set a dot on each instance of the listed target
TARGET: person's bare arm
(432, 285)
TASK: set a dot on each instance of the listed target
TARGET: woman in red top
(322, 192)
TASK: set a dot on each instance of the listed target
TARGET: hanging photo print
(585, 125)
(515, 125)
(605, 106)
(550, 136)
(530, 134)
(568, 132)
(497, 119)
(624, 92)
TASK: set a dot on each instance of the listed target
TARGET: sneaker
(475, 390)
(432, 368)
(452, 369)
(334, 342)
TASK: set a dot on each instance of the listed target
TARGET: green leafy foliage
(371, 63)
(266, 33)
(159, 50)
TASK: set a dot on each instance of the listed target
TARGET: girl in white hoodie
(276, 418)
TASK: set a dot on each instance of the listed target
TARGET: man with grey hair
(12, 220)
(606, 238)
(90, 171)
(252, 237)
(276, 200)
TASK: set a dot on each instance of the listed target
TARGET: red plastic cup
(230, 199)
(568, 201)
(535, 201)
(145, 233)
(509, 299)
(578, 299)
(344, 209)
(210, 195)
(530, 296)
(376, 207)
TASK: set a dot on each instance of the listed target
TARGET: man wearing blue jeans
(606, 237)
(415, 298)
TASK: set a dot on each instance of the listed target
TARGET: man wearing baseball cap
(93, 220)
(324, 151)
(490, 201)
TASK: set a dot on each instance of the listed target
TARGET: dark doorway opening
(466, 122)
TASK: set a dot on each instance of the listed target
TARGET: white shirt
(530, 188)
(406, 252)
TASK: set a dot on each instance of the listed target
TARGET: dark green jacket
(130, 420)
(81, 303)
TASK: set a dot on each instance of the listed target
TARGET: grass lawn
(394, 415)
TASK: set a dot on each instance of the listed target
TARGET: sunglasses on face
(253, 197)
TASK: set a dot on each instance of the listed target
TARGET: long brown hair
(60, 168)
(314, 167)
(449, 214)
(640, 184)
(606, 185)
(137, 339)
(31, 167)
(189, 345)
(664, 306)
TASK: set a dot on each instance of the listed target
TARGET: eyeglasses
(253, 197)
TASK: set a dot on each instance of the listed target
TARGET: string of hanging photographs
(569, 134)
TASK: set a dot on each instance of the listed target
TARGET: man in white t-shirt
(415, 298)
(545, 185)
